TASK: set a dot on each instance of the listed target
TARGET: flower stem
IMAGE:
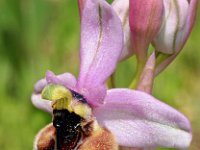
(140, 67)
(160, 57)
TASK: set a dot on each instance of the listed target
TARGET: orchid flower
(104, 117)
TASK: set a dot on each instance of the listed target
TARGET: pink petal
(65, 79)
(94, 95)
(147, 77)
(41, 103)
(139, 120)
(190, 20)
(164, 64)
(101, 45)
(40, 85)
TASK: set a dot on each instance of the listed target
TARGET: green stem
(139, 70)
(160, 57)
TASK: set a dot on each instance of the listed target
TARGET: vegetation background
(40, 35)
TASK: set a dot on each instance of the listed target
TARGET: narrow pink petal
(190, 20)
(65, 79)
(41, 103)
(164, 64)
(139, 120)
(101, 45)
(40, 85)
(147, 77)
(36, 99)
(145, 18)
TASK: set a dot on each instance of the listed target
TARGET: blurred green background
(40, 35)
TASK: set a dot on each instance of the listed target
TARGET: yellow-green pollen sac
(63, 98)
(55, 92)
(60, 96)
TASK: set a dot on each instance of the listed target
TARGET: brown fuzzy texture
(102, 139)
(45, 139)
(128, 148)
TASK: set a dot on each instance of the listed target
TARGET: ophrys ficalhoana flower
(88, 116)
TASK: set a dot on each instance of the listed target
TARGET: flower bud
(121, 7)
(145, 18)
(178, 20)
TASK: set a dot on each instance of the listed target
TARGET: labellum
(74, 126)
